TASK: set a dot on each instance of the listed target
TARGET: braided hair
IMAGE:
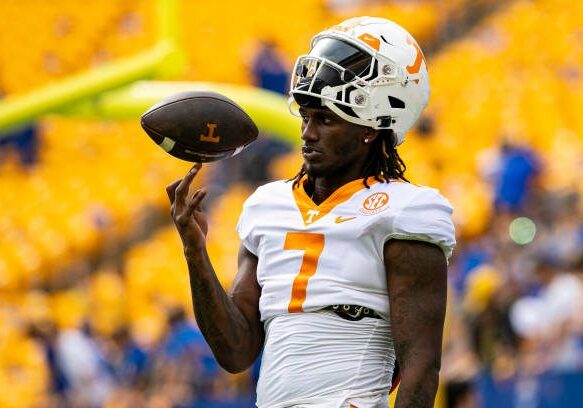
(383, 162)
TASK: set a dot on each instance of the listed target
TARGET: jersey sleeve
(427, 217)
(245, 226)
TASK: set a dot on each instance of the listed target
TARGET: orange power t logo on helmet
(416, 66)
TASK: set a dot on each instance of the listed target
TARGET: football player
(342, 270)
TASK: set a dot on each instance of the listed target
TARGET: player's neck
(323, 187)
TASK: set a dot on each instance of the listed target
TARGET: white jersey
(320, 360)
(313, 256)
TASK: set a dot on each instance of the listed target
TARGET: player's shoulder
(403, 194)
(269, 192)
(420, 213)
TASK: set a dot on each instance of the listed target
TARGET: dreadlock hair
(383, 162)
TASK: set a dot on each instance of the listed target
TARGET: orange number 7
(312, 245)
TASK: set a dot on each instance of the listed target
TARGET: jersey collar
(311, 212)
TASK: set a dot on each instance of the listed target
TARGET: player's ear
(369, 135)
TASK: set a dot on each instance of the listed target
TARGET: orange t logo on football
(211, 134)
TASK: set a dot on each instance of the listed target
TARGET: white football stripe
(238, 150)
(167, 144)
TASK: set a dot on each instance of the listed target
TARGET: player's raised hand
(187, 214)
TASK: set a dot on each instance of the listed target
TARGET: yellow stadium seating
(222, 52)
(94, 182)
(24, 373)
(49, 40)
(219, 38)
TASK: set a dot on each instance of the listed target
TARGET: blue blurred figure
(269, 69)
(24, 140)
(187, 359)
(185, 341)
(131, 363)
(45, 333)
(518, 168)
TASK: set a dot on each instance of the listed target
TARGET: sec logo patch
(374, 204)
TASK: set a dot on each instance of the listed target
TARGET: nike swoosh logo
(338, 220)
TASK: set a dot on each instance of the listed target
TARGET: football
(199, 126)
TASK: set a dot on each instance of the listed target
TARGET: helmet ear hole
(396, 103)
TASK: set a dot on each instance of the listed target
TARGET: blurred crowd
(517, 289)
(87, 370)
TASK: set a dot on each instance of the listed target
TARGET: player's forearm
(418, 386)
(223, 325)
(418, 351)
(418, 330)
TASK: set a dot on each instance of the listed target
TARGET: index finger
(181, 190)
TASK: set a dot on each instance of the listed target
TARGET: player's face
(331, 145)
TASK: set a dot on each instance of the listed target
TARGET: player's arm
(417, 286)
(230, 323)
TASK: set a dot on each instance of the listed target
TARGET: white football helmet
(369, 71)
